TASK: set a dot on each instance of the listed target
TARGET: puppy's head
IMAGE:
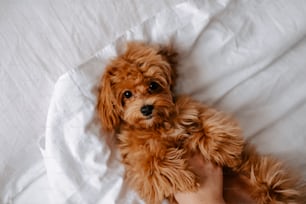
(136, 87)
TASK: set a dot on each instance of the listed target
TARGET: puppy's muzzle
(147, 110)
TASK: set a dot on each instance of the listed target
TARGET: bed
(243, 57)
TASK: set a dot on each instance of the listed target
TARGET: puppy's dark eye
(127, 94)
(153, 86)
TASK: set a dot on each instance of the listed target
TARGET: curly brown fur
(157, 131)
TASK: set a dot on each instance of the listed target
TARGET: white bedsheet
(40, 41)
(244, 57)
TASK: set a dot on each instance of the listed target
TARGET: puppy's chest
(172, 134)
(156, 140)
(181, 133)
(172, 138)
(186, 124)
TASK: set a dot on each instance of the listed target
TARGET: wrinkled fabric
(40, 41)
(242, 57)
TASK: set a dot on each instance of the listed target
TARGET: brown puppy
(157, 131)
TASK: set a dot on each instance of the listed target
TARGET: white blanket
(242, 57)
(40, 41)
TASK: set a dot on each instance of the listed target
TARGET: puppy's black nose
(146, 110)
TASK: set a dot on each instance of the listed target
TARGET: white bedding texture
(241, 56)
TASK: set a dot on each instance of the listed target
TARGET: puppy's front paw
(221, 150)
(219, 140)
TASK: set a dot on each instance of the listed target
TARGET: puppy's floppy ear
(170, 55)
(107, 105)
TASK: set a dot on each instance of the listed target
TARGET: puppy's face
(139, 86)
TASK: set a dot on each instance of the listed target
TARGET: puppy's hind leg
(161, 175)
(269, 179)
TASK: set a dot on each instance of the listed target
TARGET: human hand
(210, 180)
(214, 188)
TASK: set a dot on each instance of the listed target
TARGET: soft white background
(39, 41)
(244, 57)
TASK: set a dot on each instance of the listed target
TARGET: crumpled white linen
(243, 57)
(40, 41)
